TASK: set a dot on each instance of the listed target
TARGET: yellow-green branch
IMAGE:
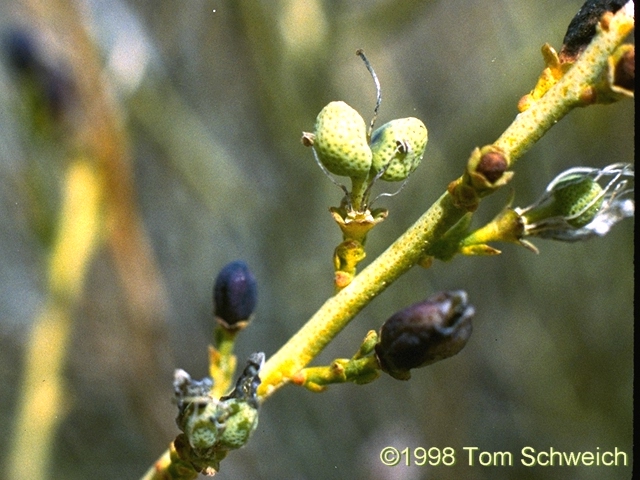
(527, 128)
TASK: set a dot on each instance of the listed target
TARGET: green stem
(527, 128)
(358, 187)
(222, 361)
(358, 370)
(171, 467)
(338, 310)
(335, 314)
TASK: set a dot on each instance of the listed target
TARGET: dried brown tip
(307, 139)
(583, 27)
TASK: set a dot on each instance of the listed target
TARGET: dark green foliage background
(550, 361)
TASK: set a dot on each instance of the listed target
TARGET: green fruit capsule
(341, 141)
(241, 421)
(578, 200)
(399, 146)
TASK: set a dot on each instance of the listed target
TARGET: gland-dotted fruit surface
(579, 201)
(341, 141)
(240, 424)
(399, 144)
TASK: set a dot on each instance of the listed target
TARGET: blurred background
(188, 116)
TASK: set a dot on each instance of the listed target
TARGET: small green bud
(240, 420)
(202, 431)
(196, 408)
(240, 407)
(213, 427)
(398, 146)
(578, 200)
(341, 141)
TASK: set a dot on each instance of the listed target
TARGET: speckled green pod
(242, 421)
(225, 425)
(341, 141)
(202, 432)
(399, 144)
(578, 200)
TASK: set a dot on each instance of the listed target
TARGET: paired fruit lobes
(341, 141)
(398, 147)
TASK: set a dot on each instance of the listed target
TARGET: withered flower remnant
(424, 333)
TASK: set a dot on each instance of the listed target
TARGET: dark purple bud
(424, 333)
(235, 294)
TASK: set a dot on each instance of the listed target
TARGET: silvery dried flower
(581, 203)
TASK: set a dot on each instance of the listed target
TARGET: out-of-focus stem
(41, 402)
